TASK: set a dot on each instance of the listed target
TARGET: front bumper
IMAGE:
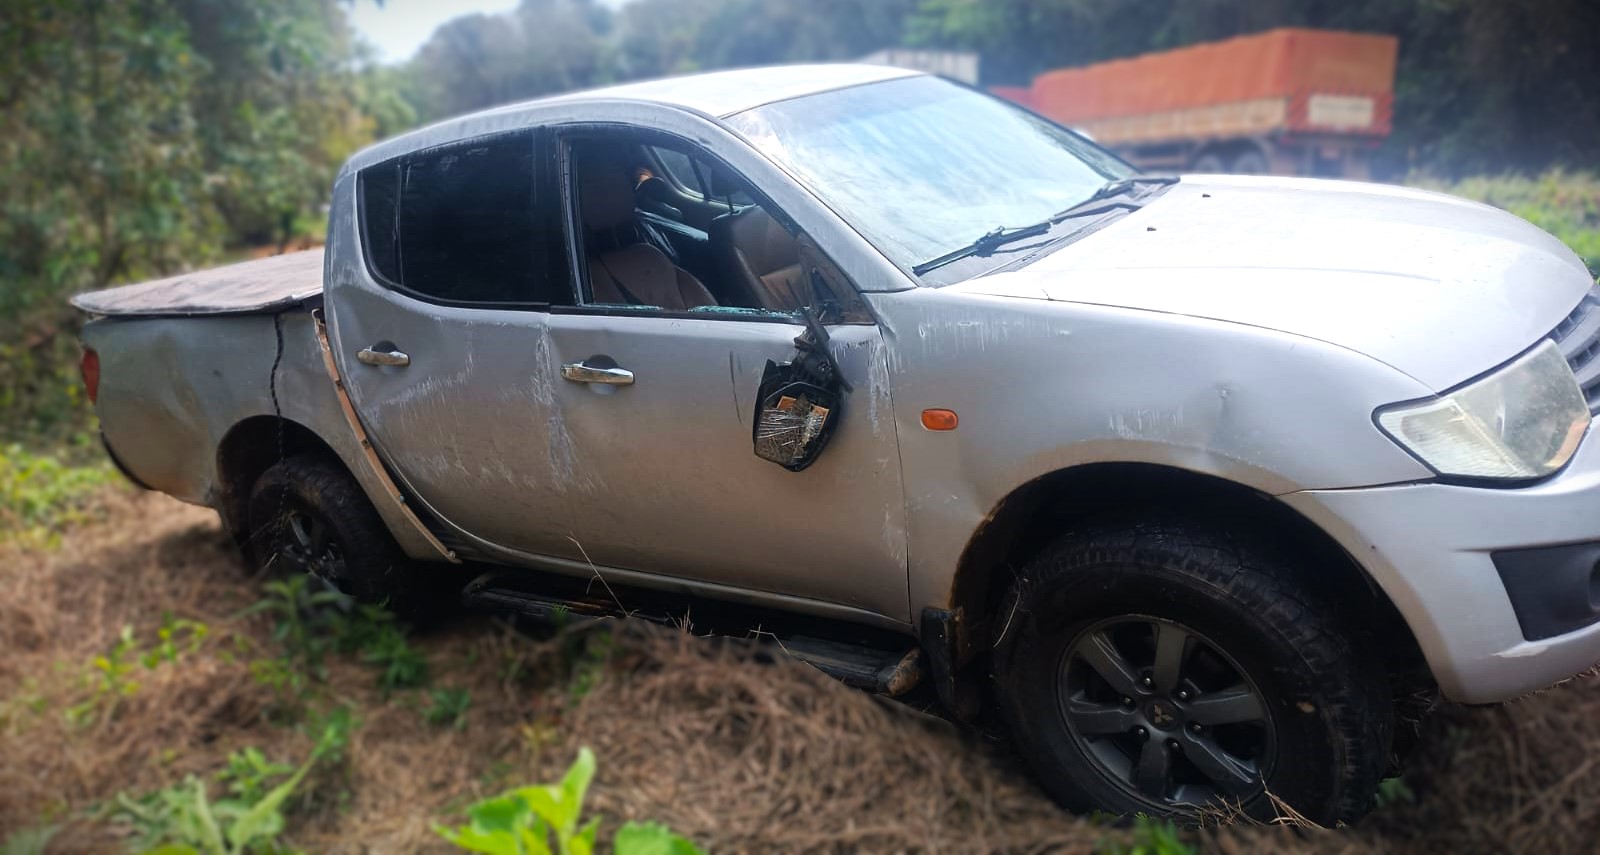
(1433, 548)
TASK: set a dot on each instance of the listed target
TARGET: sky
(399, 27)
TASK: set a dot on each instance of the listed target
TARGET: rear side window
(380, 197)
(457, 224)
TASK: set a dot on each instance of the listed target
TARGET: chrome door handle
(368, 356)
(578, 372)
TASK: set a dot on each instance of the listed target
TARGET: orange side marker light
(936, 419)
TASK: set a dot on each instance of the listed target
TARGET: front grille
(1579, 339)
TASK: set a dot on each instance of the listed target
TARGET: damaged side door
(660, 406)
(437, 312)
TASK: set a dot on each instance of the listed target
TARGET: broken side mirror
(798, 404)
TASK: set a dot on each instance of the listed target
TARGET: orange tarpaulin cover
(1282, 63)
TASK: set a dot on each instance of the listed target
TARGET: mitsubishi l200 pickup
(1204, 486)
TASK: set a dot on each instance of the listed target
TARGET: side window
(679, 169)
(380, 205)
(645, 241)
(458, 224)
(690, 176)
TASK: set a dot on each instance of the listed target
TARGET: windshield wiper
(1109, 196)
(1114, 190)
(989, 242)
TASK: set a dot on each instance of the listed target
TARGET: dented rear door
(450, 368)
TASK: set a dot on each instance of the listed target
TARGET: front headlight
(1523, 421)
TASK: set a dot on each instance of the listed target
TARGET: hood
(1437, 287)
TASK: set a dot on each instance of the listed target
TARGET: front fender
(1041, 387)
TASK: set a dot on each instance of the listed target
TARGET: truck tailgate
(261, 285)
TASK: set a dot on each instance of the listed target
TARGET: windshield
(922, 167)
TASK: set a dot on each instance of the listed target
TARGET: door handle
(368, 356)
(578, 372)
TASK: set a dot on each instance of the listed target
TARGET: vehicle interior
(667, 228)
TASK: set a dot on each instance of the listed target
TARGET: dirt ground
(737, 752)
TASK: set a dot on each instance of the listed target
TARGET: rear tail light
(90, 366)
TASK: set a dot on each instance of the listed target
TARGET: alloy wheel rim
(308, 544)
(1165, 713)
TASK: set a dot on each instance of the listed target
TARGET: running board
(886, 670)
(883, 672)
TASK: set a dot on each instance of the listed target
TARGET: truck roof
(724, 93)
(717, 93)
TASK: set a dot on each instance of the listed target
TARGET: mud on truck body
(1198, 488)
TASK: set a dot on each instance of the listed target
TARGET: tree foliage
(139, 137)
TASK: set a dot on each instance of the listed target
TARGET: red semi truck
(1286, 101)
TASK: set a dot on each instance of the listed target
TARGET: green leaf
(486, 842)
(576, 782)
(505, 813)
(583, 842)
(195, 807)
(263, 820)
(651, 838)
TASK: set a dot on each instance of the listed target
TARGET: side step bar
(890, 671)
(883, 672)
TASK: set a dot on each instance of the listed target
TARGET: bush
(183, 820)
(40, 495)
(522, 822)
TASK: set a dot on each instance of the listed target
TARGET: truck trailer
(1284, 102)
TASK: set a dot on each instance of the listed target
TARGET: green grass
(40, 495)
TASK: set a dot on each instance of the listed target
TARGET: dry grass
(742, 754)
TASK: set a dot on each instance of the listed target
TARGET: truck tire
(308, 515)
(1250, 161)
(1165, 668)
(1209, 163)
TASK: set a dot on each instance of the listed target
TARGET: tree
(477, 61)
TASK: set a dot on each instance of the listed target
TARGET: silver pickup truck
(1202, 488)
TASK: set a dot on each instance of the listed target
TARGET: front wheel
(1163, 668)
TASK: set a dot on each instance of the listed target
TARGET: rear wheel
(1163, 668)
(308, 515)
(1250, 162)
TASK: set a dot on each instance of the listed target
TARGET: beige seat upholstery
(622, 269)
(756, 253)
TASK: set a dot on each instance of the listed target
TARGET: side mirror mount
(798, 403)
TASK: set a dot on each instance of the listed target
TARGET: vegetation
(39, 494)
(141, 138)
(111, 675)
(523, 821)
(183, 820)
(731, 749)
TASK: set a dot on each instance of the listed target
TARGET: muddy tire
(1166, 667)
(308, 515)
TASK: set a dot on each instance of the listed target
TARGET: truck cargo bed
(262, 285)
